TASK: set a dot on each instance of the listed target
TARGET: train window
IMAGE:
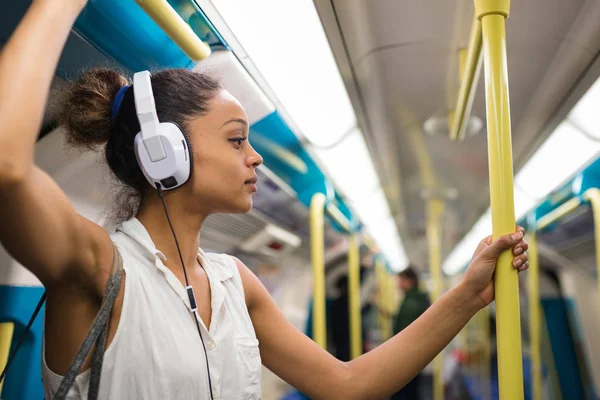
(310, 88)
(563, 153)
(585, 114)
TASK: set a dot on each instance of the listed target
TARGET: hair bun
(87, 106)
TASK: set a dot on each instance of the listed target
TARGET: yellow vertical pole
(534, 315)
(486, 393)
(6, 333)
(390, 284)
(317, 249)
(462, 63)
(434, 239)
(379, 275)
(593, 196)
(382, 318)
(461, 338)
(354, 297)
(469, 347)
(492, 14)
(478, 336)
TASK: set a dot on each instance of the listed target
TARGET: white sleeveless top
(156, 352)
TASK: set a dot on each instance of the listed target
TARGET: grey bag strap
(96, 335)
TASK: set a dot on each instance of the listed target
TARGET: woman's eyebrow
(238, 120)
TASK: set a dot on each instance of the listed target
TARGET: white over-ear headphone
(161, 149)
(163, 154)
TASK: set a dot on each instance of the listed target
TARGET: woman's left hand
(478, 278)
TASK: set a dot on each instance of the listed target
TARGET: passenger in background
(340, 332)
(339, 324)
(340, 319)
(414, 304)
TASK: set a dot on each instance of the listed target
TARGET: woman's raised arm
(40, 228)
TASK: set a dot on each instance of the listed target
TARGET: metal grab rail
(435, 209)
(354, 297)
(384, 299)
(318, 208)
(175, 27)
(6, 333)
(317, 253)
(533, 284)
(559, 212)
(492, 14)
(469, 76)
(338, 217)
(486, 377)
(593, 196)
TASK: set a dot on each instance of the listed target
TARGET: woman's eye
(238, 141)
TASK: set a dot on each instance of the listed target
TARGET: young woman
(154, 350)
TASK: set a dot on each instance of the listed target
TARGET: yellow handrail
(486, 393)
(493, 14)
(391, 304)
(593, 196)
(354, 297)
(533, 281)
(434, 238)
(461, 337)
(175, 27)
(380, 275)
(383, 299)
(6, 333)
(355, 318)
(317, 250)
(338, 217)
(469, 76)
(559, 212)
(318, 207)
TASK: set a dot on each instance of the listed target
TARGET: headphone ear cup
(173, 170)
(188, 147)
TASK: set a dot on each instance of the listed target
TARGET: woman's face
(224, 171)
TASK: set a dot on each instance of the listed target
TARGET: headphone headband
(147, 116)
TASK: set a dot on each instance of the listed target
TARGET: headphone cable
(189, 289)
